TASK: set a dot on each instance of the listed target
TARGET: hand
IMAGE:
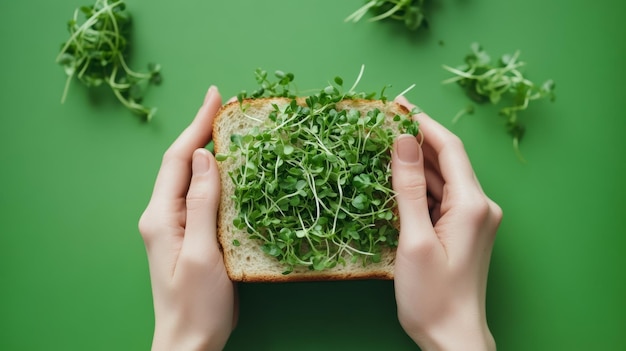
(194, 303)
(447, 230)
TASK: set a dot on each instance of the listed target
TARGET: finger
(461, 197)
(162, 223)
(173, 178)
(200, 241)
(452, 159)
(409, 183)
(434, 182)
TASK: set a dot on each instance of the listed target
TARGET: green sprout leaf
(96, 53)
(408, 12)
(498, 83)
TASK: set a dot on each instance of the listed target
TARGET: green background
(76, 177)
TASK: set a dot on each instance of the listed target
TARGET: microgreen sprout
(96, 53)
(468, 110)
(484, 81)
(409, 12)
(314, 187)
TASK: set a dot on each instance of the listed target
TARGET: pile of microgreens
(409, 12)
(314, 182)
(96, 54)
(487, 82)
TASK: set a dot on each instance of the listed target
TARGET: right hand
(447, 230)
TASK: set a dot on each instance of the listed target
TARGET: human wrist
(466, 334)
(465, 340)
(169, 340)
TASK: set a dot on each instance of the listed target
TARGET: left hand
(194, 302)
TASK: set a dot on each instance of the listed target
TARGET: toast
(243, 257)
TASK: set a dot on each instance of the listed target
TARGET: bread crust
(247, 263)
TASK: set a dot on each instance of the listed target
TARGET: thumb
(202, 204)
(409, 183)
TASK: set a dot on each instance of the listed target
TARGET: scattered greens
(314, 184)
(484, 81)
(96, 53)
(409, 12)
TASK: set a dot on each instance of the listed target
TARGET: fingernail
(407, 149)
(200, 163)
(232, 99)
(212, 90)
(402, 100)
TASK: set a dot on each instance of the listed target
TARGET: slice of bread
(243, 257)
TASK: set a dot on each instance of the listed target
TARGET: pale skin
(447, 232)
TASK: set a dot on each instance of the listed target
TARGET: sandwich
(306, 183)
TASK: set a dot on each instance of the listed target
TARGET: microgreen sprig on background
(96, 53)
(314, 184)
(409, 12)
(281, 85)
(485, 81)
